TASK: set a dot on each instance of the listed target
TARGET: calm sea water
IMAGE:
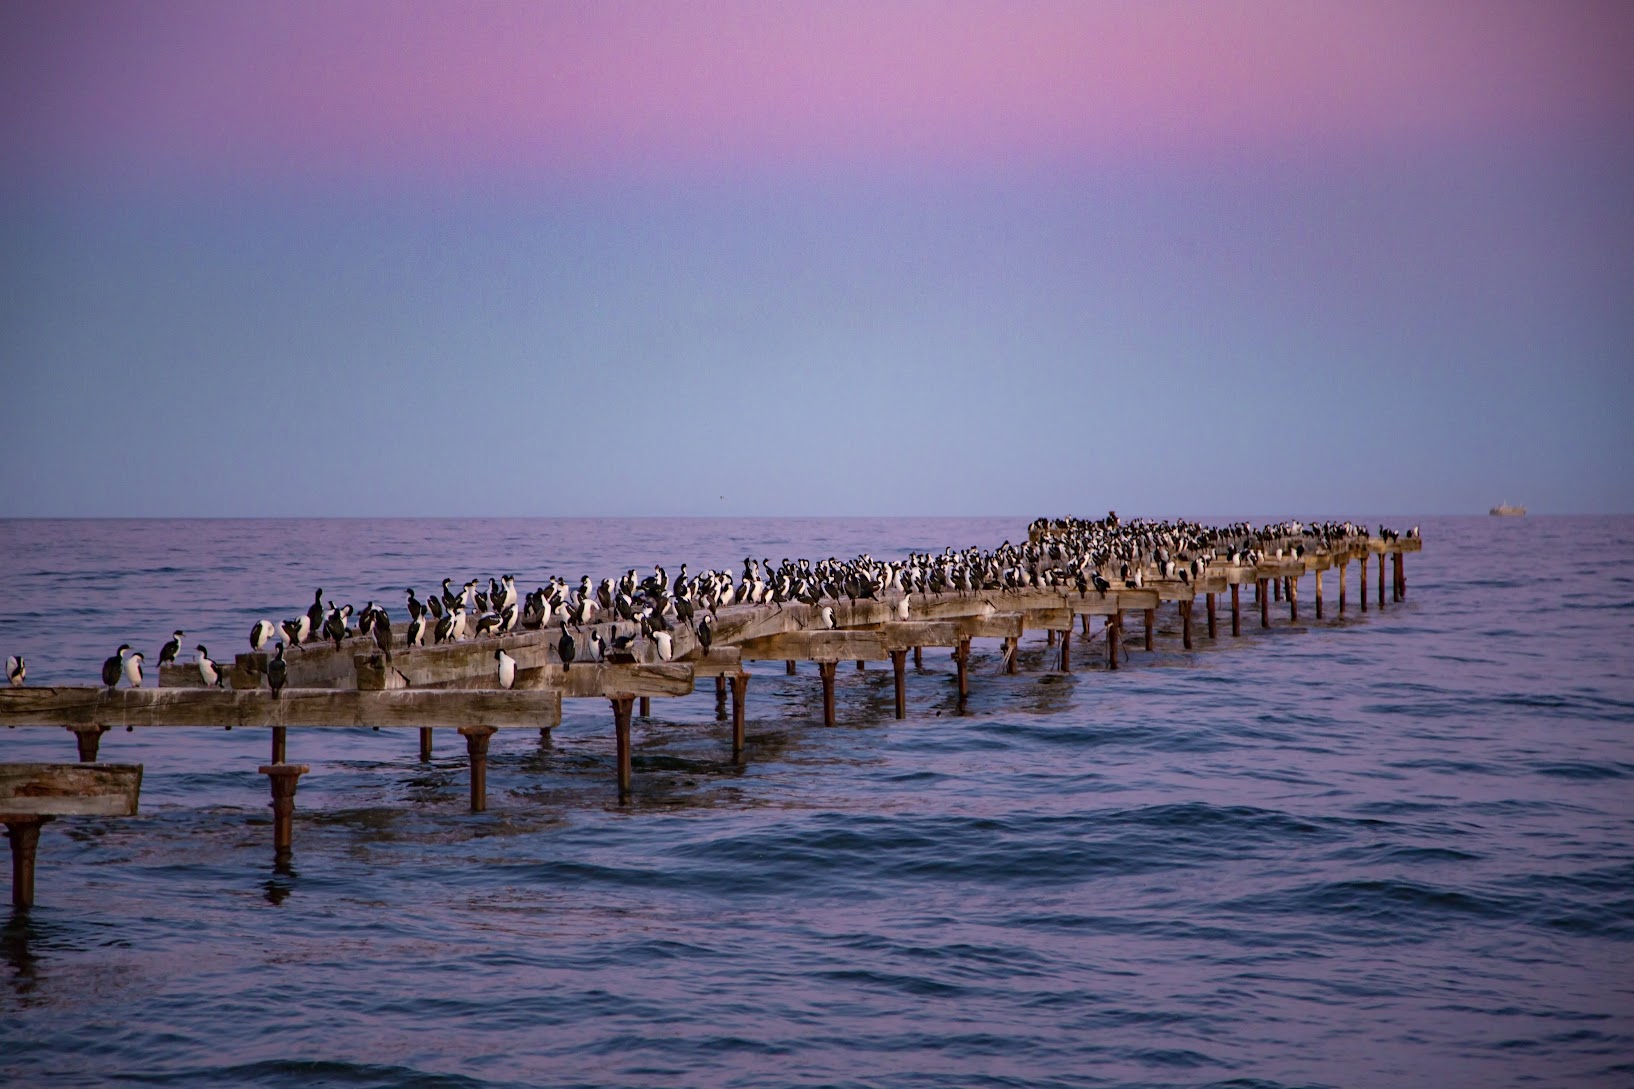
(1386, 850)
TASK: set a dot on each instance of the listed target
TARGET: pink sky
(456, 90)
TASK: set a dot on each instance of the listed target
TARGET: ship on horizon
(1504, 510)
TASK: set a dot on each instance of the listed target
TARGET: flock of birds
(1070, 554)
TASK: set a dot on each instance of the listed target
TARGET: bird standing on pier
(706, 634)
(133, 669)
(902, 607)
(16, 671)
(261, 634)
(315, 612)
(168, 652)
(507, 668)
(114, 666)
(277, 670)
(566, 647)
(381, 628)
(209, 673)
(665, 644)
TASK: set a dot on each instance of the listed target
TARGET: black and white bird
(706, 634)
(567, 647)
(168, 652)
(262, 634)
(665, 644)
(133, 669)
(827, 614)
(381, 630)
(209, 673)
(277, 670)
(113, 668)
(902, 607)
(16, 671)
(507, 668)
(315, 612)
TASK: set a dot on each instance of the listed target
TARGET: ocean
(1389, 849)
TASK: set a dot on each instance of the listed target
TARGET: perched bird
(113, 667)
(507, 668)
(16, 671)
(567, 647)
(381, 629)
(706, 634)
(827, 613)
(209, 672)
(665, 644)
(314, 612)
(598, 645)
(133, 669)
(262, 634)
(417, 631)
(902, 607)
(168, 652)
(277, 670)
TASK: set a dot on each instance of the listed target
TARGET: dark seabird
(567, 647)
(168, 652)
(507, 668)
(706, 634)
(277, 670)
(314, 612)
(16, 671)
(414, 606)
(334, 627)
(209, 673)
(113, 667)
(382, 632)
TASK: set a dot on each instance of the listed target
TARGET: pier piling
(425, 744)
(825, 670)
(88, 739)
(24, 834)
(476, 747)
(740, 698)
(622, 706)
(899, 667)
(283, 778)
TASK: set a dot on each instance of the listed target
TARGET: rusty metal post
(1401, 573)
(1236, 610)
(24, 834)
(1265, 604)
(899, 666)
(1012, 650)
(861, 665)
(1276, 588)
(425, 744)
(1293, 599)
(621, 733)
(1398, 584)
(825, 670)
(1342, 567)
(918, 659)
(278, 745)
(88, 739)
(1151, 622)
(1066, 650)
(1364, 584)
(1185, 624)
(1381, 580)
(1319, 593)
(476, 747)
(720, 697)
(788, 667)
(1049, 637)
(961, 655)
(644, 708)
(283, 779)
(1213, 627)
(1114, 632)
(740, 697)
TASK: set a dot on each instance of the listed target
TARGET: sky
(829, 258)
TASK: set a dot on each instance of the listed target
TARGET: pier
(365, 681)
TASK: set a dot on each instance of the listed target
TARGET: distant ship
(1504, 510)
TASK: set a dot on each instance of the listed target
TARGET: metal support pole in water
(899, 666)
(476, 747)
(24, 833)
(825, 670)
(622, 706)
(283, 779)
(740, 698)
